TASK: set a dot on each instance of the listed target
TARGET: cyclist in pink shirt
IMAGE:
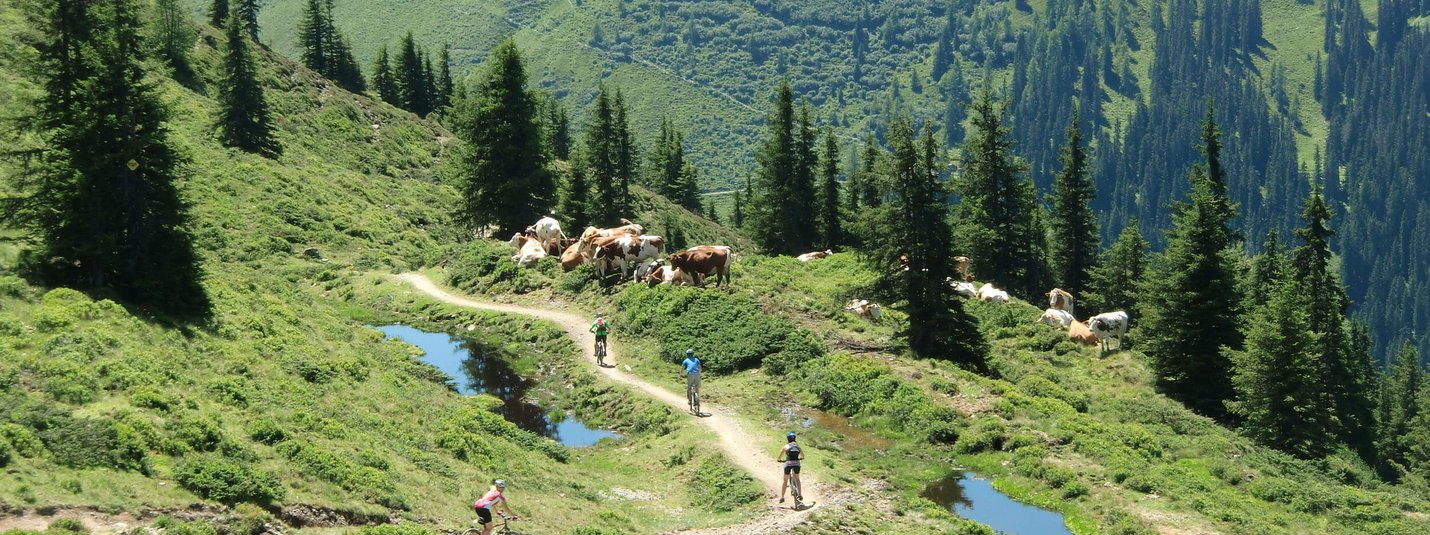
(483, 506)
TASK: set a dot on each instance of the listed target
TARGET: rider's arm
(781, 455)
(506, 505)
(801, 454)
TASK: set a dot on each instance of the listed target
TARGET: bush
(986, 434)
(719, 486)
(729, 331)
(65, 526)
(7, 452)
(267, 431)
(22, 440)
(89, 443)
(199, 432)
(171, 526)
(225, 481)
(149, 398)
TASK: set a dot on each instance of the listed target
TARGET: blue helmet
(790, 437)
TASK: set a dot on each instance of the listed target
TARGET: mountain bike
(504, 529)
(601, 353)
(794, 491)
(693, 398)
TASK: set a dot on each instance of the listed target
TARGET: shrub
(1074, 490)
(719, 486)
(7, 452)
(66, 526)
(311, 369)
(10, 327)
(171, 526)
(87, 443)
(986, 434)
(729, 331)
(22, 440)
(267, 431)
(199, 432)
(12, 286)
(230, 391)
(149, 398)
(225, 481)
(474, 420)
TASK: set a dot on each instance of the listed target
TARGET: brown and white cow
(988, 292)
(573, 257)
(1109, 325)
(1060, 299)
(965, 289)
(960, 264)
(1056, 318)
(866, 309)
(669, 275)
(806, 257)
(547, 228)
(615, 251)
(703, 260)
(529, 251)
(1078, 332)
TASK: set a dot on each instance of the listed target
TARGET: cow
(864, 308)
(704, 260)
(965, 289)
(806, 257)
(573, 257)
(988, 292)
(592, 233)
(615, 251)
(1109, 325)
(1056, 318)
(644, 269)
(552, 246)
(529, 251)
(669, 275)
(1078, 332)
(651, 247)
(960, 264)
(547, 228)
(1060, 299)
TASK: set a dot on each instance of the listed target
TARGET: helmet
(599, 314)
(790, 437)
(500, 483)
(689, 352)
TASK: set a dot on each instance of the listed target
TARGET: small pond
(974, 498)
(480, 369)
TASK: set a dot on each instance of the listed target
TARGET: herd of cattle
(625, 249)
(636, 256)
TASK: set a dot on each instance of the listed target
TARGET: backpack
(792, 454)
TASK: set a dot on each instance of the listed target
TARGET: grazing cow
(1060, 299)
(529, 251)
(547, 228)
(573, 257)
(1109, 325)
(704, 260)
(903, 262)
(592, 233)
(960, 264)
(651, 247)
(644, 269)
(806, 257)
(616, 251)
(552, 246)
(1056, 318)
(1078, 332)
(864, 308)
(669, 275)
(989, 293)
(965, 289)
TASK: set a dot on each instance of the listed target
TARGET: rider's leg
(784, 485)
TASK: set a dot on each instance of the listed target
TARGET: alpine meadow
(591, 267)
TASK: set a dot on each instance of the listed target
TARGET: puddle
(975, 499)
(850, 437)
(480, 369)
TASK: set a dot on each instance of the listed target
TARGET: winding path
(734, 439)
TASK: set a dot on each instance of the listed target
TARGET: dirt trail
(734, 439)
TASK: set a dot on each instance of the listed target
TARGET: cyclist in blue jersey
(692, 376)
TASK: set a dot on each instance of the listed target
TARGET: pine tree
(174, 38)
(1074, 227)
(575, 198)
(1195, 277)
(247, 13)
(218, 13)
(600, 155)
(411, 83)
(782, 215)
(1112, 283)
(384, 80)
(1277, 381)
(998, 208)
(737, 216)
(243, 117)
(914, 224)
(804, 200)
(345, 67)
(444, 88)
(313, 36)
(109, 209)
(712, 215)
(1267, 271)
(624, 157)
(866, 188)
(558, 130)
(831, 218)
(503, 165)
(1403, 387)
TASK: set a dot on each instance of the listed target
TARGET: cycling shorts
(484, 515)
(794, 468)
(692, 380)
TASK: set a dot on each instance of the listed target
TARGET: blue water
(480, 369)
(977, 500)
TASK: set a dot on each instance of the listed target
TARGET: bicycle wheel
(472, 531)
(794, 491)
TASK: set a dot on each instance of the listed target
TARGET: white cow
(1060, 299)
(669, 275)
(1056, 318)
(644, 270)
(806, 257)
(547, 228)
(1109, 325)
(651, 247)
(965, 289)
(529, 251)
(988, 292)
(866, 309)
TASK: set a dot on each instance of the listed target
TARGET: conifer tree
(345, 70)
(1267, 271)
(1277, 381)
(914, 224)
(575, 198)
(1402, 386)
(313, 36)
(1195, 277)
(384, 80)
(218, 13)
(503, 165)
(712, 215)
(444, 86)
(624, 157)
(782, 216)
(412, 84)
(108, 210)
(558, 130)
(998, 208)
(1113, 282)
(247, 13)
(244, 121)
(737, 215)
(1074, 227)
(174, 38)
(804, 200)
(831, 217)
(866, 189)
(600, 155)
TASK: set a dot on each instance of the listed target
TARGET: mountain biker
(483, 506)
(692, 375)
(600, 328)
(791, 455)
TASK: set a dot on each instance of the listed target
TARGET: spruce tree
(412, 85)
(444, 85)
(831, 217)
(1268, 269)
(345, 67)
(504, 180)
(1402, 386)
(105, 203)
(867, 188)
(782, 216)
(1277, 381)
(1113, 282)
(804, 199)
(174, 37)
(314, 34)
(575, 198)
(737, 215)
(429, 85)
(998, 208)
(384, 80)
(247, 13)
(914, 224)
(600, 156)
(1195, 278)
(243, 117)
(218, 13)
(1074, 227)
(624, 157)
